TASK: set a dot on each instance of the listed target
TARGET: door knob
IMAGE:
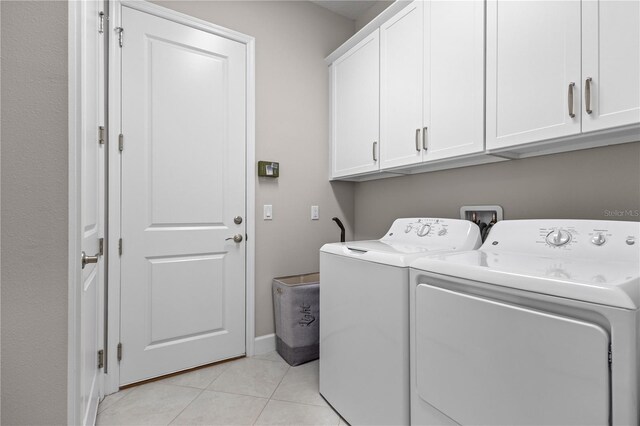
(237, 220)
(236, 238)
(88, 259)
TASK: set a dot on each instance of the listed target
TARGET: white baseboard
(264, 344)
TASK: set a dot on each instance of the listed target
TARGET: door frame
(112, 374)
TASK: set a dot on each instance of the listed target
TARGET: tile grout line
(197, 396)
(117, 402)
(186, 406)
(274, 391)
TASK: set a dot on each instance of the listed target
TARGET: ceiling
(348, 8)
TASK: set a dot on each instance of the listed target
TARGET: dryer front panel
(480, 361)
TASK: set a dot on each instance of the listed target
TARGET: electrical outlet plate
(483, 213)
(315, 213)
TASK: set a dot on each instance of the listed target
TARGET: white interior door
(183, 183)
(401, 79)
(611, 62)
(92, 155)
(533, 56)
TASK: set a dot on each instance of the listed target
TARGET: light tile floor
(262, 390)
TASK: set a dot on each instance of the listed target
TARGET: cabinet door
(454, 78)
(355, 115)
(401, 65)
(533, 56)
(610, 63)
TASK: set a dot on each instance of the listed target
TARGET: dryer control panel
(611, 240)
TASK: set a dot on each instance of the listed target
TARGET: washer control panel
(579, 238)
(423, 227)
(426, 231)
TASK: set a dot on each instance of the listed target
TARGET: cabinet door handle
(570, 99)
(375, 156)
(587, 95)
(418, 140)
(424, 138)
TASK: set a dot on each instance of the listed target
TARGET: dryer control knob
(558, 237)
(424, 230)
(598, 239)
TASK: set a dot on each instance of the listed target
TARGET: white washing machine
(364, 310)
(540, 326)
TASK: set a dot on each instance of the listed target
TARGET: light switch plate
(315, 213)
(268, 212)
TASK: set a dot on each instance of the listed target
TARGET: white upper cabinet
(421, 88)
(432, 82)
(401, 91)
(453, 79)
(355, 109)
(610, 63)
(533, 71)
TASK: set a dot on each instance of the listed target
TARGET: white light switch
(315, 213)
(268, 212)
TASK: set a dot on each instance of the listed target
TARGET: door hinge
(101, 246)
(101, 358)
(120, 246)
(120, 32)
(102, 18)
(121, 142)
(119, 352)
(610, 355)
(101, 135)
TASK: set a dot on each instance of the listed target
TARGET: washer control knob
(424, 230)
(558, 237)
(598, 239)
(408, 229)
(443, 231)
(631, 241)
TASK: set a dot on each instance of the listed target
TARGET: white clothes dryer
(364, 311)
(540, 326)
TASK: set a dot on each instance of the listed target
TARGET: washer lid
(411, 238)
(612, 283)
(377, 251)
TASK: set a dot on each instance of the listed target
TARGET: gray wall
(292, 40)
(34, 212)
(372, 12)
(578, 185)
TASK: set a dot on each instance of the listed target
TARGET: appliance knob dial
(631, 241)
(443, 231)
(558, 238)
(408, 229)
(424, 230)
(598, 239)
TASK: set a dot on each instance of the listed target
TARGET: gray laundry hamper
(296, 301)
